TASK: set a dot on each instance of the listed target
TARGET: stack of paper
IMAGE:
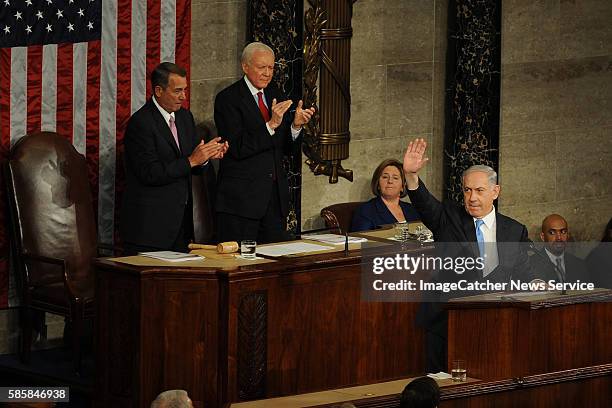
(334, 239)
(290, 249)
(171, 256)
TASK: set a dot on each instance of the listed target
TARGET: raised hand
(413, 158)
(278, 110)
(302, 116)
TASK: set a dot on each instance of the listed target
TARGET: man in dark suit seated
(253, 192)
(162, 150)
(475, 230)
(557, 264)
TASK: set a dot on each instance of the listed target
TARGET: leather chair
(54, 233)
(340, 216)
(203, 192)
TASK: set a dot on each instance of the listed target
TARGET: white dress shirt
(489, 232)
(294, 132)
(167, 115)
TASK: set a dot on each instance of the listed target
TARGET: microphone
(545, 257)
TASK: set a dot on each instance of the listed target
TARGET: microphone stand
(547, 259)
(346, 242)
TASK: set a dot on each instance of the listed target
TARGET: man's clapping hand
(215, 149)
(302, 116)
(278, 110)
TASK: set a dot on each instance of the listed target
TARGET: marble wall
(397, 85)
(397, 88)
(556, 113)
(218, 34)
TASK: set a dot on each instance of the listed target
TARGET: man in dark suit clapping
(253, 193)
(162, 150)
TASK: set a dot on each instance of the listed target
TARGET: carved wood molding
(252, 345)
(564, 300)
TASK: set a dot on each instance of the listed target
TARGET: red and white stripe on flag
(86, 91)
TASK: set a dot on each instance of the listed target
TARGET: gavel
(222, 248)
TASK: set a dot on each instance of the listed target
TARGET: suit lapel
(500, 236)
(269, 94)
(470, 233)
(182, 133)
(163, 127)
(249, 101)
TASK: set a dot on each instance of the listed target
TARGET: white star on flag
(28, 29)
(49, 1)
(28, 2)
(49, 28)
(90, 25)
(59, 13)
(7, 29)
(7, 2)
(18, 15)
(70, 27)
(80, 12)
(39, 15)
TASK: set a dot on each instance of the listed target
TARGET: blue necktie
(480, 238)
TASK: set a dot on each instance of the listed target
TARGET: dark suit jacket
(599, 262)
(158, 176)
(455, 235)
(254, 159)
(450, 223)
(575, 268)
(374, 213)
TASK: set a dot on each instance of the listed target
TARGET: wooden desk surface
(292, 326)
(341, 395)
(526, 300)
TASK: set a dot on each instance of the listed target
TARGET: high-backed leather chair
(339, 216)
(53, 231)
(203, 192)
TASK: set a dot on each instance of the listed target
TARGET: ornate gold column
(327, 57)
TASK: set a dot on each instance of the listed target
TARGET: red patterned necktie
(262, 107)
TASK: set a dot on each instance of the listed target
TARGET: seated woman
(388, 185)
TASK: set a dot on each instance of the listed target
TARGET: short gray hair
(172, 399)
(491, 174)
(251, 48)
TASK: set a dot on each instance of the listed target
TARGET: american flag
(80, 68)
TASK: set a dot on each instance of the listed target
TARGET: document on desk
(334, 239)
(171, 256)
(291, 249)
